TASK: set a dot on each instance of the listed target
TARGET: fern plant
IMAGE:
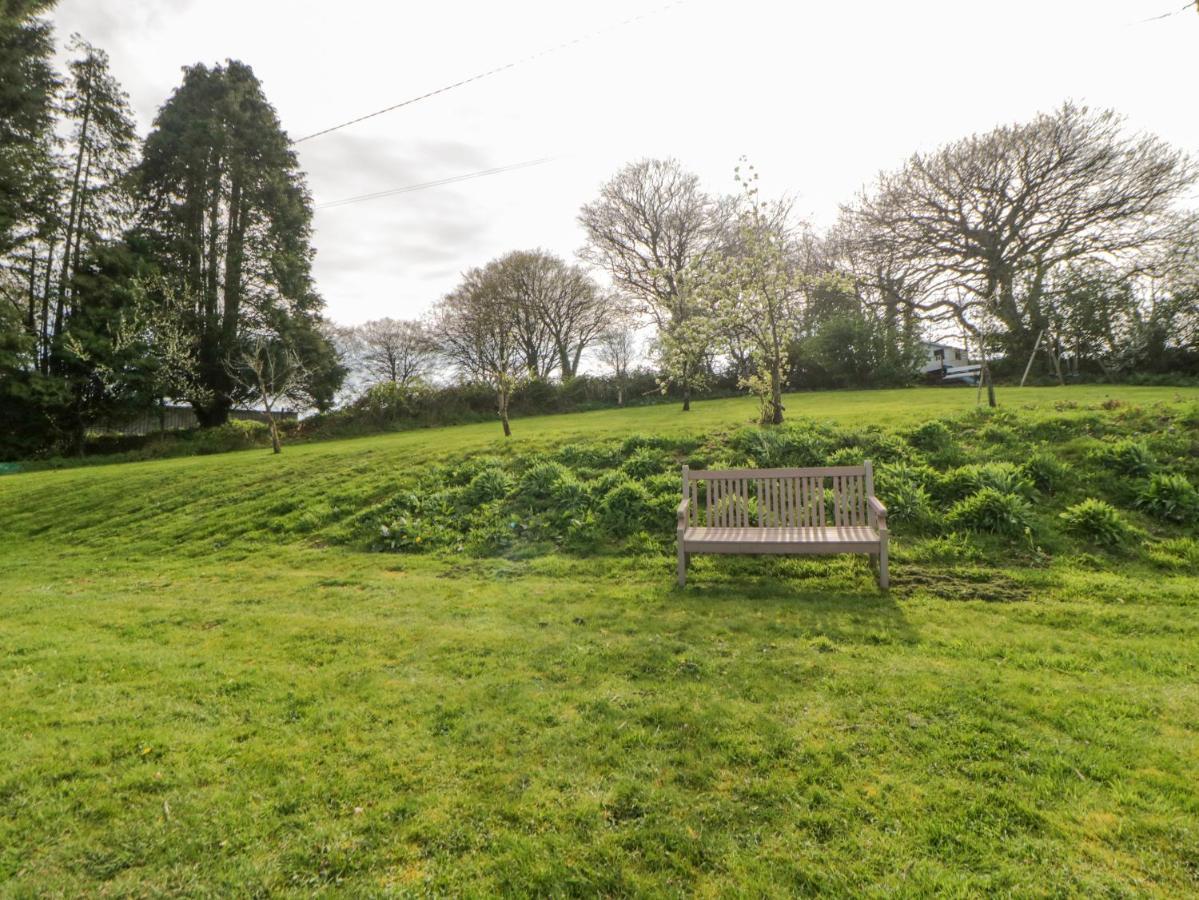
(1098, 522)
(1169, 497)
(993, 511)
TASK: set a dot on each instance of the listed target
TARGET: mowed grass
(207, 690)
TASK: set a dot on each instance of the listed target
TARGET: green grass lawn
(208, 687)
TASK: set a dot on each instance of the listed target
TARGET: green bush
(569, 497)
(538, 482)
(490, 483)
(1097, 521)
(1127, 456)
(846, 456)
(1004, 477)
(993, 511)
(933, 436)
(994, 433)
(417, 521)
(625, 508)
(635, 442)
(908, 504)
(791, 444)
(1176, 553)
(588, 456)
(236, 434)
(893, 473)
(598, 487)
(646, 461)
(1169, 497)
(1044, 470)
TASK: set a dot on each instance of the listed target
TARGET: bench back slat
(778, 498)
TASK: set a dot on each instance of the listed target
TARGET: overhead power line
(453, 179)
(481, 75)
(1191, 4)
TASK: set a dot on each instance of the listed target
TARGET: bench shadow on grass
(836, 596)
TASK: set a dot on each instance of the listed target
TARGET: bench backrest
(778, 498)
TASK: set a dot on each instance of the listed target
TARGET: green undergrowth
(1117, 481)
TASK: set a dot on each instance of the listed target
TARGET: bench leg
(682, 564)
(884, 580)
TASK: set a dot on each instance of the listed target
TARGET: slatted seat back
(778, 498)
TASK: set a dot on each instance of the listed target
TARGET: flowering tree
(757, 290)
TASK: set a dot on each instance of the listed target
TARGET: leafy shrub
(625, 508)
(598, 487)
(588, 456)
(876, 446)
(1169, 497)
(792, 444)
(846, 456)
(933, 436)
(539, 480)
(766, 448)
(994, 433)
(418, 520)
(1097, 521)
(236, 434)
(1176, 553)
(646, 461)
(1004, 477)
(1044, 470)
(1127, 457)
(569, 496)
(890, 474)
(490, 483)
(465, 472)
(635, 442)
(908, 504)
(665, 483)
(993, 511)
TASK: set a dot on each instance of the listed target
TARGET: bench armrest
(878, 512)
(684, 507)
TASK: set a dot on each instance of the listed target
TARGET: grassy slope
(198, 696)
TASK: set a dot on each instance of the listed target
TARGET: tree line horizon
(178, 267)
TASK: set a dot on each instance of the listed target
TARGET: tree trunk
(276, 447)
(687, 397)
(776, 397)
(619, 395)
(44, 348)
(31, 311)
(213, 414)
(74, 215)
(502, 404)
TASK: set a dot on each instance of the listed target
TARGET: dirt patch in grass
(960, 583)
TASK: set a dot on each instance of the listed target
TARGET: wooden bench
(829, 509)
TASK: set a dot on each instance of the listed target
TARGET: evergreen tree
(228, 214)
(27, 89)
(95, 202)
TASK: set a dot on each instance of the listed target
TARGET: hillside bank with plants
(1117, 480)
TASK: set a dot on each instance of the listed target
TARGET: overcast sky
(819, 96)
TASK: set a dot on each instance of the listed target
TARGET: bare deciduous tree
(650, 225)
(981, 224)
(269, 371)
(397, 350)
(476, 328)
(560, 310)
(616, 349)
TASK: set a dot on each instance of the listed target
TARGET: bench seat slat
(790, 535)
